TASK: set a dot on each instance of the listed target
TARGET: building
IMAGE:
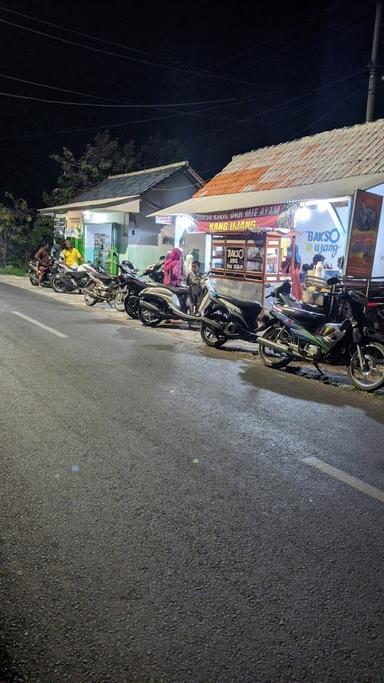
(249, 213)
(113, 215)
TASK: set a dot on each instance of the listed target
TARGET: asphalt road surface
(168, 512)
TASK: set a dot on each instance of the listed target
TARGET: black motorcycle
(226, 317)
(295, 333)
(138, 283)
(69, 279)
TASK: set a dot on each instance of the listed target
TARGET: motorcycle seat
(304, 316)
(176, 290)
(242, 304)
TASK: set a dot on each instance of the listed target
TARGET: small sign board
(164, 220)
(363, 234)
(234, 258)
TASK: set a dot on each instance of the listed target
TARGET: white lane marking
(358, 484)
(38, 324)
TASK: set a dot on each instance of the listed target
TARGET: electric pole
(373, 64)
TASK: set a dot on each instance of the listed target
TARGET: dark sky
(288, 72)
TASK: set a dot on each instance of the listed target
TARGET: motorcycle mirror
(161, 258)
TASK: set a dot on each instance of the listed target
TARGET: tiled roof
(132, 184)
(335, 154)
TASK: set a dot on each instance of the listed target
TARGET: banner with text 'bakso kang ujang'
(363, 237)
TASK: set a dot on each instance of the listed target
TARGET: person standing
(71, 255)
(173, 268)
(193, 282)
(43, 262)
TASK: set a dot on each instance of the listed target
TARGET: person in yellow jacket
(71, 256)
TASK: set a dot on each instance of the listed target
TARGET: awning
(344, 187)
(130, 204)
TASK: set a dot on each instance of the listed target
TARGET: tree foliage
(108, 156)
(21, 229)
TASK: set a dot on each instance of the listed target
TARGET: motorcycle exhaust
(149, 307)
(211, 323)
(188, 316)
(279, 347)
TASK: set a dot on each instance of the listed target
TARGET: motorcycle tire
(131, 306)
(373, 353)
(33, 281)
(89, 299)
(212, 338)
(119, 301)
(59, 285)
(148, 318)
(277, 360)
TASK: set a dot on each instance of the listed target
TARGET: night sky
(287, 72)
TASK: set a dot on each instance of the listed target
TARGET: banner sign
(363, 234)
(239, 220)
(234, 258)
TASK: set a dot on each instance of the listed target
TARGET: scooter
(298, 334)
(164, 302)
(226, 317)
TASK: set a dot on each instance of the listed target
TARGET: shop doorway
(100, 243)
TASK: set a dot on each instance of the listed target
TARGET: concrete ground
(171, 512)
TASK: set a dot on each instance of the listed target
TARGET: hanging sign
(240, 220)
(234, 258)
(363, 234)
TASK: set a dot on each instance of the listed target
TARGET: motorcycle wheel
(131, 306)
(33, 281)
(148, 318)
(120, 300)
(59, 285)
(212, 338)
(371, 377)
(89, 299)
(273, 358)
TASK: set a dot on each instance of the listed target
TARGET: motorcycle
(164, 302)
(33, 273)
(138, 283)
(226, 317)
(298, 334)
(71, 279)
(103, 287)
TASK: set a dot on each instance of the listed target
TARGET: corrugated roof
(332, 155)
(133, 184)
(333, 189)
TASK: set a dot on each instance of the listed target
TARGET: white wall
(320, 233)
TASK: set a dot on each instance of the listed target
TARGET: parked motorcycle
(226, 317)
(138, 283)
(71, 279)
(103, 287)
(33, 273)
(164, 302)
(155, 271)
(298, 334)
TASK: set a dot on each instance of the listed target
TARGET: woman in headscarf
(173, 268)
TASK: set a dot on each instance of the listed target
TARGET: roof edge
(178, 164)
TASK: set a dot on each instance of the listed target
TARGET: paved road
(158, 521)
